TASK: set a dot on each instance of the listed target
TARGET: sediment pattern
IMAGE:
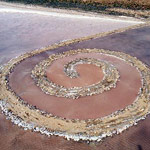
(111, 76)
(29, 117)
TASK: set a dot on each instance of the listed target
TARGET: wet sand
(23, 30)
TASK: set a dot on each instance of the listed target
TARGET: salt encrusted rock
(111, 76)
(93, 129)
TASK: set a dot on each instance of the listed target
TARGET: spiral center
(88, 74)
